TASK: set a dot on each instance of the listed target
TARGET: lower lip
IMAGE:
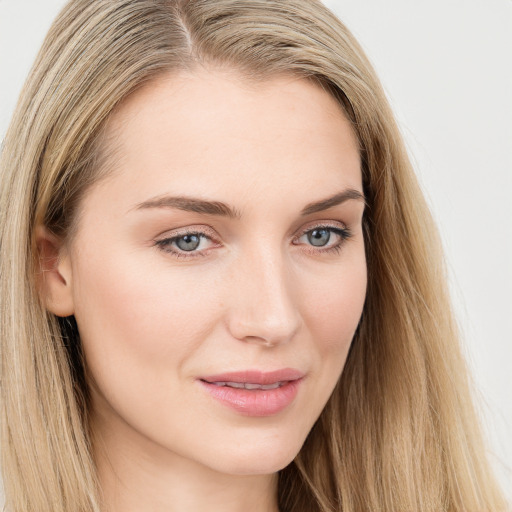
(255, 402)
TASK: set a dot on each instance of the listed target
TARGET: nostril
(262, 341)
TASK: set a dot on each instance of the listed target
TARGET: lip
(256, 376)
(255, 402)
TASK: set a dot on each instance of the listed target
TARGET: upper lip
(256, 376)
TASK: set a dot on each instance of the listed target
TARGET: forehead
(212, 132)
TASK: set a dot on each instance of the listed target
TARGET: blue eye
(188, 242)
(191, 243)
(319, 237)
(324, 238)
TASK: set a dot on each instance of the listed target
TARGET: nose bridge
(263, 308)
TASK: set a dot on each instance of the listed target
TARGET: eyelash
(166, 243)
(342, 233)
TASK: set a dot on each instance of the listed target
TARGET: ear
(54, 278)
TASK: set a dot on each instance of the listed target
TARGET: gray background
(446, 66)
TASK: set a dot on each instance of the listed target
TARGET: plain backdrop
(446, 66)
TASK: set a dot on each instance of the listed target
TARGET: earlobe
(54, 275)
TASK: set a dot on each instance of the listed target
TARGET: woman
(221, 286)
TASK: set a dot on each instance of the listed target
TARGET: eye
(324, 238)
(319, 237)
(189, 244)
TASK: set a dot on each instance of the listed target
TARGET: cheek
(139, 318)
(334, 305)
(331, 313)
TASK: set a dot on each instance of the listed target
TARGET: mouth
(253, 392)
(249, 385)
(255, 378)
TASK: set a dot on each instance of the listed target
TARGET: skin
(256, 295)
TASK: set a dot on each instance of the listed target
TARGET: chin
(259, 460)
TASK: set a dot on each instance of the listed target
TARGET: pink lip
(255, 402)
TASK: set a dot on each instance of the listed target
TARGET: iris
(188, 242)
(319, 237)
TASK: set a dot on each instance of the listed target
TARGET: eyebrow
(325, 204)
(191, 204)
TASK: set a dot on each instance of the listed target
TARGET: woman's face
(225, 247)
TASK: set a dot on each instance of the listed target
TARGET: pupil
(188, 242)
(319, 237)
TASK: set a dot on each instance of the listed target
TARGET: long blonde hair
(399, 432)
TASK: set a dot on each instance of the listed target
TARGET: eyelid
(164, 241)
(200, 229)
(339, 229)
(319, 224)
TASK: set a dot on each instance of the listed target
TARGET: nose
(262, 306)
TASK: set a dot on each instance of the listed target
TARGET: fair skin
(277, 282)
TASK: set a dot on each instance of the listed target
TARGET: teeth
(273, 386)
(248, 385)
(239, 385)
